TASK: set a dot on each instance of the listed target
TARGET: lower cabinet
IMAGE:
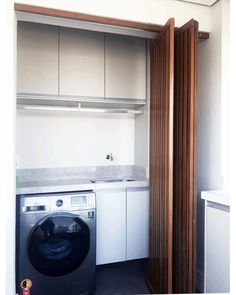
(217, 248)
(122, 224)
(137, 223)
(111, 226)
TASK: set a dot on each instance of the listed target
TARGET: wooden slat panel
(184, 197)
(161, 161)
(95, 18)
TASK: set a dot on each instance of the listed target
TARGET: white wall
(225, 93)
(57, 139)
(212, 117)
(7, 147)
(141, 139)
(141, 143)
(232, 145)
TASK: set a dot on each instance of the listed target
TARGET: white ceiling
(201, 2)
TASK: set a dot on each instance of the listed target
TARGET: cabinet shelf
(32, 101)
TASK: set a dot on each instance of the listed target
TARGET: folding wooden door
(172, 262)
(184, 195)
(161, 161)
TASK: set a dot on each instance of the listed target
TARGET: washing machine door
(58, 244)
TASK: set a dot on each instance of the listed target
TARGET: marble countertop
(220, 197)
(66, 185)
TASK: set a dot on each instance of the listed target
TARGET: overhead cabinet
(102, 65)
(68, 62)
(125, 67)
(37, 58)
(81, 63)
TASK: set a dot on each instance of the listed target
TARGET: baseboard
(200, 281)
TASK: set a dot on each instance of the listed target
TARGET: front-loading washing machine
(56, 243)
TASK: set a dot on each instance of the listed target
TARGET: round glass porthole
(58, 244)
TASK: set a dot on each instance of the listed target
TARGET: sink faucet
(109, 157)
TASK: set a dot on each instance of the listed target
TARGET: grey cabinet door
(37, 58)
(111, 226)
(81, 63)
(125, 67)
(137, 223)
(217, 248)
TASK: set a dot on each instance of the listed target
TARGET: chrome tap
(109, 157)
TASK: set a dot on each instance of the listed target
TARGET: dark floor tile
(122, 278)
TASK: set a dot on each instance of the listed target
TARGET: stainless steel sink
(111, 180)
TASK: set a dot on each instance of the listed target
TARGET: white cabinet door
(111, 226)
(81, 70)
(217, 248)
(137, 223)
(125, 67)
(37, 58)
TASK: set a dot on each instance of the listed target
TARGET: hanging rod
(77, 109)
(21, 96)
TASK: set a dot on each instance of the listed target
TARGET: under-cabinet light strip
(77, 109)
(79, 99)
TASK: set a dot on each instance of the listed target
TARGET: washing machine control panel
(83, 200)
(58, 202)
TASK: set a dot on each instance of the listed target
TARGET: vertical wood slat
(184, 196)
(161, 161)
